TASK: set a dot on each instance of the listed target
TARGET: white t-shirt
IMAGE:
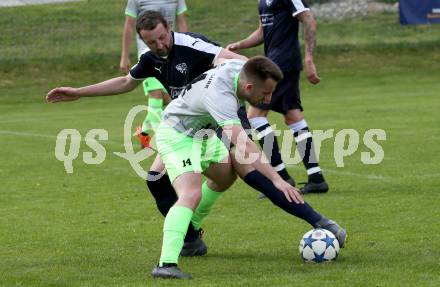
(169, 9)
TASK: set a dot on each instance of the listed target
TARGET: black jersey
(190, 56)
(280, 28)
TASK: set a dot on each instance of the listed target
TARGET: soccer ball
(318, 245)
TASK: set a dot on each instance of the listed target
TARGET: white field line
(348, 173)
(12, 3)
(428, 175)
(35, 135)
(2, 121)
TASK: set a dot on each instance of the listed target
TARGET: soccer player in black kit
(278, 30)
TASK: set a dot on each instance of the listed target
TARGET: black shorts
(286, 95)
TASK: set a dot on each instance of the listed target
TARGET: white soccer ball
(319, 245)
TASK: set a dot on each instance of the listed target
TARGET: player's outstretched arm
(254, 39)
(113, 86)
(62, 94)
(309, 24)
(247, 147)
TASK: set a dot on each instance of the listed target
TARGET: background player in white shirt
(174, 13)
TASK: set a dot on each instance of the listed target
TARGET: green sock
(154, 115)
(209, 197)
(174, 231)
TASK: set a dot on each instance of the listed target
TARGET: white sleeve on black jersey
(197, 44)
(298, 6)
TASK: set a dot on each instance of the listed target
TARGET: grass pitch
(99, 226)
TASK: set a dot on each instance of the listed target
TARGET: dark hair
(148, 20)
(260, 68)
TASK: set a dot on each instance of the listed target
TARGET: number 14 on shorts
(186, 162)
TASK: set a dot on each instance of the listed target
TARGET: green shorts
(152, 84)
(181, 153)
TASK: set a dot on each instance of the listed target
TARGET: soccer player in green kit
(188, 146)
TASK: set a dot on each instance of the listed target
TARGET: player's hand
(233, 46)
(63, 94)
(290, 192)
(311, 73)
(124, 65)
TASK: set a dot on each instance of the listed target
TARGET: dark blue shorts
(286, 95)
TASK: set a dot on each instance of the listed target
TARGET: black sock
(258, 181)
(191, 234)
(306, 149)
(269, 143)
(165, 197)
(162, 191)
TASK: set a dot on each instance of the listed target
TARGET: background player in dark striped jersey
(278, 30)
(174, 12)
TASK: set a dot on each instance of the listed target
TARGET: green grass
(99, 226)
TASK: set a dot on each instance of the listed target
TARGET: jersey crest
(182, 68)
(269, 2)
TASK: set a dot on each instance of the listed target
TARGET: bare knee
(293, 116)
(223, 181)
(189, 198)
(223, 185)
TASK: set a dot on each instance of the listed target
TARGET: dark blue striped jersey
(280, 27)
(190, 56)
